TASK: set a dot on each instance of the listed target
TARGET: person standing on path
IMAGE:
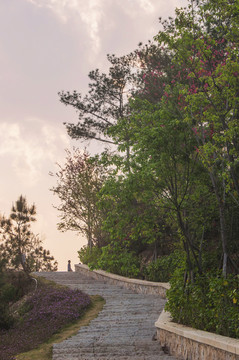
(69, 266)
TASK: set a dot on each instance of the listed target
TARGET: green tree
(79, 181)
(20, 247)
(179, 129)
(105, 103)
(204, 41)
(164, 153)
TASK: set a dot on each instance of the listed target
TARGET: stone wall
(181, 341)
(139, 286)
(190, 344)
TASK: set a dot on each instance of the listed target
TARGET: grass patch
(44, 351)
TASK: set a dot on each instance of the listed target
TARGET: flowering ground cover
(43, 314)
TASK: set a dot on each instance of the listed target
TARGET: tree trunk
(221, 208)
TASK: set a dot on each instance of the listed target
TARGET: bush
(162, 269)
(17, 284)
(13, 285)
(6, 320)
(210, 303)
(43, 314)
(8, 293)
(112, 258)
(89, 256)
(118, 260)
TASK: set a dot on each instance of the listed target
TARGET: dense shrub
(6, 320)
(21, 282)
(112, 258)
(118, 260)
(13, 285)
(89, 256)
(162, 269)
(45, 313)
(210, 303)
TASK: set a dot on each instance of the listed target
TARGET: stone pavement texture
(123, 330)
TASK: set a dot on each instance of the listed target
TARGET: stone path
(123, 330)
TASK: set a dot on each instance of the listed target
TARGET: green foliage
(24, 309)
(89, 256)
(131, 217)
(210, 303)
(6, 294)
(104, 104)
(13, 286)
(112, 258)
(20, 248)
(21, 282)
(79, 181)
(6, 320)
(118, 260)
(175, 178)
(162, 269)
(204, 40)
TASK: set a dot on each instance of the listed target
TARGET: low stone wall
(139, 286)
(181, 341)
(190, 344)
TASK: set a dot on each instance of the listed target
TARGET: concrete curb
(139, 286)
(181, 341)
(188, 343)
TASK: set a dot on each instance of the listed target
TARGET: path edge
(139, 286)
(188, 343)
(179, 340)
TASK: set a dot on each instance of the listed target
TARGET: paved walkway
(123, 330)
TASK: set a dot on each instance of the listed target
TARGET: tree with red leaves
(79, 181)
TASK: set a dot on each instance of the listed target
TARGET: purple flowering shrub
(48, 310)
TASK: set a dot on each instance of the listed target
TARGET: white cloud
(29, 152)
(135, 6)
(147, 6)
(62, 8)
(93, 14)
(89, 12)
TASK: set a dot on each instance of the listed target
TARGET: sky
(47, 46)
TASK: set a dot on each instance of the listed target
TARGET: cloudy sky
(47, 46)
